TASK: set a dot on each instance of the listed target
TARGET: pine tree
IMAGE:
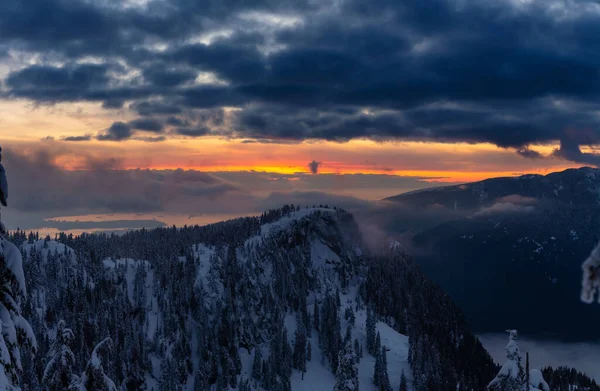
(370, 328)
(350, 316)
(59, 373)
(94, 377)
(14, 326)
(346, 377)
(348, 336)
(527, 382)
(403, 385)
(377, 371)
(308, 351)
(357, 350)
(512, 375)
(384, 382)
(299, 355)
(316, 318)
(257, 364)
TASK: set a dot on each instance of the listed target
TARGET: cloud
(146, 124)
(155, 139)
(118, 131)
(101, 185)
(161, 75)
(86, 137)
(505, 207)
(529, 153)
(516, 199)
(303, 70)
(154, 108)
(570, 150)
(314, 166)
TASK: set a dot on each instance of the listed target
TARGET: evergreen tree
(370, 328)
(59, 373)
(299, 355)
(346, 377)
(527, 371)
(350, 316)
(357, 350)
(377, 371)
(403, 385)
(384, 382)
(257, 364)
(94, 377)
(16, 332)
(512, 375)
(316, 318)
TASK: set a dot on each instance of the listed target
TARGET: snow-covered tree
(346, 377)
(512, 375)
(94, 377)
(591, 277)
(59, 373)
(16, 331)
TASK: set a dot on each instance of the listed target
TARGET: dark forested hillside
(288, 300)
(567, 379)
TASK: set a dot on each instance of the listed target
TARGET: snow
(321, 255)
(320, 377)
(202, 254)
(129, 267)
(48, 247)
(11, 319)
(285, 223)
(590, 286)
(14, 262)
(536, 379)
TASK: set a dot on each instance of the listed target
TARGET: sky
(221, 106)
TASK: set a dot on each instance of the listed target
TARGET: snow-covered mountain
(512, 249)
(254, 303)
(571, 187)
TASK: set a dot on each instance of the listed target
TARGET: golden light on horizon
(24, 125)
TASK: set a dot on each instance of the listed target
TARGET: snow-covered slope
(193, 307)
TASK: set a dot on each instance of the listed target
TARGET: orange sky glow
(23, 125)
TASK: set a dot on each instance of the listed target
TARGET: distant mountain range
(512, 254)
(572, 187)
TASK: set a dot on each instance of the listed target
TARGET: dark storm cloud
(147, 124)
(529, 153)
(86, 137)
(53, 84)
(160, 76)
(113, 104)
(238, 64)
(118, 131)
(148, 108)
(570, 150)
(507, 73)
